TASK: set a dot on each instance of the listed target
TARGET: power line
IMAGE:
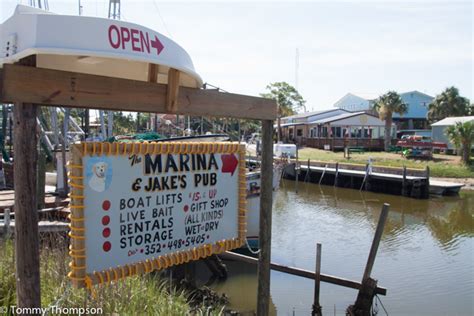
(161, 18)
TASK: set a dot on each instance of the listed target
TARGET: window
(345, 132)
(324, 131)
(299, 132)
(366, 132)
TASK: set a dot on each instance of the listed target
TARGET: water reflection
(240, 287)
(425, 258)
(447, 217)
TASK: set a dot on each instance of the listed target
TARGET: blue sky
(365, 48)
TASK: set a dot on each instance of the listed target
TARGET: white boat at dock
(444, 187)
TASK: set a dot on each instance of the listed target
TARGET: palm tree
(386, 105)
(462, 136)
(448, 103)
(288, 100)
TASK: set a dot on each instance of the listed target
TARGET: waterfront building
(415, 118)
(335, 129)
(438, 129)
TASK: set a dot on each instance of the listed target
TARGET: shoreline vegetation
(151, 294)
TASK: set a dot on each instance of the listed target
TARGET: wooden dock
(7, 201)
(369, 178)
(52, 218)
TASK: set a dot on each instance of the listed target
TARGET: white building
(335, 128)
(438, 129)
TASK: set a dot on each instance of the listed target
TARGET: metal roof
(453, 120)
(308, 114)
(337, 117)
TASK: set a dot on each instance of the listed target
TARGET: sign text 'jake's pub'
(145, 202)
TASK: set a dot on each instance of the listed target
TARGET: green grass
(441, 166)
(142, 295)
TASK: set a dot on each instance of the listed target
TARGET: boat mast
(41, 4)
(114, 13)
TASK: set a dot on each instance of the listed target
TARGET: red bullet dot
(186, 208)
(106, 205)
(141, 250)
(106, 232)
(107, 246)
(105, 220)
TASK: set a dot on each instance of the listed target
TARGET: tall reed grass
(141, 295)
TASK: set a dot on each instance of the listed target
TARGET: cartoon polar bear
(97, 181)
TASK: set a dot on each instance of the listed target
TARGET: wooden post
(336, 175)
(6, 221)
(26, 215)
(367, 291)
(265, 233)
(426, 192)
(41, 179)
(297, 170)
(404, 182)
(308, 171)
(368, 186)
(322, 175)
(317, 283)
(86, 123)
(376, 241)
(65, 190)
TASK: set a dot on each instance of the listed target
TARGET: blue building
(416, 101)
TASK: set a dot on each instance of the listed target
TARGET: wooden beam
(152, 73)
(331, 279)
(173, 90)
(62, 88)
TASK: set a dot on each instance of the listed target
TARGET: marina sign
(138, 207)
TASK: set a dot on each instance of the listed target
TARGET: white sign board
(145, 206)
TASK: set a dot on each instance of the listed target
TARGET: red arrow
(229, 163)
(157, 45)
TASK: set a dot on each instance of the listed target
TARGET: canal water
(425, 258)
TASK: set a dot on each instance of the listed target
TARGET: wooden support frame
(69, 89)
(173, 90)
(28, 87)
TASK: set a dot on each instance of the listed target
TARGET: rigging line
(382, 304)
(161, 18)
(215, 87)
